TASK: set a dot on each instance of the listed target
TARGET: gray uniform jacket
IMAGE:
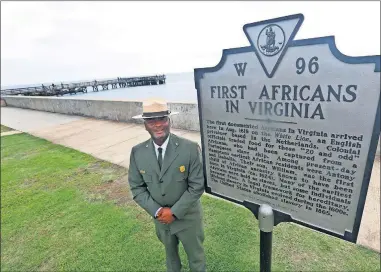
(179, 185)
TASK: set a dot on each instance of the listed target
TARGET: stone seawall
(116, 110)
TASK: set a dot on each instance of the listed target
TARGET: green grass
(5, 129)
(62, 210)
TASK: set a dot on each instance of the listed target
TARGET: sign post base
(266, 226)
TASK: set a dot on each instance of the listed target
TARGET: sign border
(280, 217)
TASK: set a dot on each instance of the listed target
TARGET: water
(179, 87)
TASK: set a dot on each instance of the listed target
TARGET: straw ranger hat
(153, 108)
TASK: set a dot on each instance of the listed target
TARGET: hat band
(158, 113)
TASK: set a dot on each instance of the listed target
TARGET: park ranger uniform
(179, 185)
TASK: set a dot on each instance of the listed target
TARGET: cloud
(49, 41)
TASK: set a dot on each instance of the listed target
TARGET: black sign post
(266, 225)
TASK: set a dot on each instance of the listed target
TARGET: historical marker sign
(293, 124)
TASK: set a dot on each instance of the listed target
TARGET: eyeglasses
(156, 120)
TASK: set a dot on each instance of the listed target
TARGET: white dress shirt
(164, 147)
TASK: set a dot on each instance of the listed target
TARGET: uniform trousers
(192, 239)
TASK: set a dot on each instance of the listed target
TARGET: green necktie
(160, 159)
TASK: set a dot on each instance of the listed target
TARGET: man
(167, 180)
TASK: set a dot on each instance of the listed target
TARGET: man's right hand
(166, 216)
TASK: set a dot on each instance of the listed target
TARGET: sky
(63, 41)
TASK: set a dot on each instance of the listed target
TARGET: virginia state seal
(271, 40)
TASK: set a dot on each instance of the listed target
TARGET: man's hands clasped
(165, 216)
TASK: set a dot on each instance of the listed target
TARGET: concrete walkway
(112, 141)
(12, 132)
(107, 140)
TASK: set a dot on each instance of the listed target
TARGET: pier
(82, 87)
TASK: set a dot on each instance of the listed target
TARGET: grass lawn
(5, 129)
(62, 210)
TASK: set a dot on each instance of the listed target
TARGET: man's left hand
(166, 216)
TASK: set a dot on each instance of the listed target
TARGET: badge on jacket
(182, 168)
